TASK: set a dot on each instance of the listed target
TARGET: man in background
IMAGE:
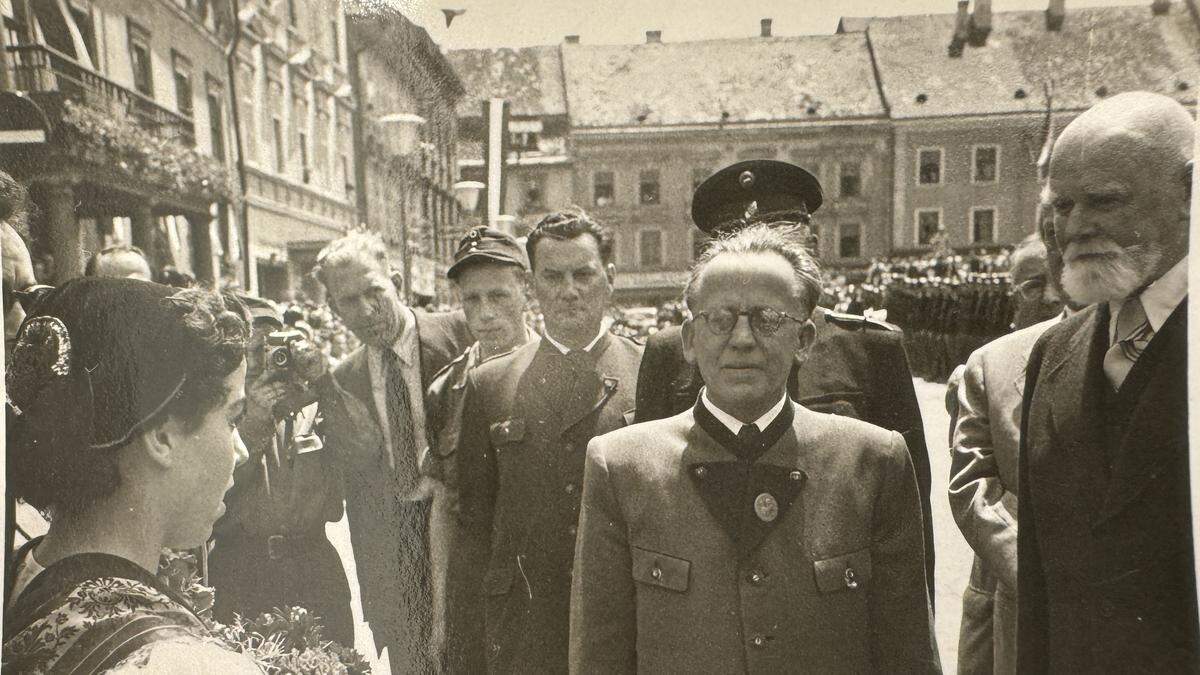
(121, 261)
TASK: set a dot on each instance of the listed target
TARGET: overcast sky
(520, 23)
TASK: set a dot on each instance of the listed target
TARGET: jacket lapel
(1155, 436)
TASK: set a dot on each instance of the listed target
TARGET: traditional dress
(94, 612)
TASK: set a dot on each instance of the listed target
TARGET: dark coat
(856, 368)
(836, 584)
(383, 539)
(527, 419)
(1107, 578)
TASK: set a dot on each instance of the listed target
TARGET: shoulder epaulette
(857, 322)
(496, 356)
(458, 359)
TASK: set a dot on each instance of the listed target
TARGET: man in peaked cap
(748, 533)
(856, 367)
(490, 272)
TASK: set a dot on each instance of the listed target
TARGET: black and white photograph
(455, 337)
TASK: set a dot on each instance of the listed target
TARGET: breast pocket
(661, 570)
(507, 435)
(850, 572)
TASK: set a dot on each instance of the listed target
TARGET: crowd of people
(730, 496)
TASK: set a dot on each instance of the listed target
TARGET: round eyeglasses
(764, 321)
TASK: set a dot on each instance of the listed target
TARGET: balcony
(52, 77)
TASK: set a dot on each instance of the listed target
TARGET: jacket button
(656, 574)
(570, 488)
(572, 530)
(851, 581)
(796, 475)
(758, 641)
(756, 578)
(700, 472)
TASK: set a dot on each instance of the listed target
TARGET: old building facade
(407, 127)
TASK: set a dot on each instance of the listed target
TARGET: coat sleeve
(897, 409)
(603, 603)
(475, 493)
(1032, 647)
(975, 488)
(902, 634)
(653, 398)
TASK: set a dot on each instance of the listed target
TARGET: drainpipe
(244, 211)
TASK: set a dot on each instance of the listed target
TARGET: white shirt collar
(734, 424)
(563, 349)
(1159, 299)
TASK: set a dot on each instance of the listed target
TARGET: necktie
(404, 453)
(1132, 335)
(750, 441)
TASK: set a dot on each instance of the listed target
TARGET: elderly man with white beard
(1106, 576)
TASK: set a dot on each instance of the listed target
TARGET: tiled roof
(752, 79)
(1114, 48)
(530, 78)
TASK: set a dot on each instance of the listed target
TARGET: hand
(262, 395)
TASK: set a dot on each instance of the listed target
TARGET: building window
(533, 197)
(650, 248)
(929, 221)
(602, 188)
(216, 125)
(929, 166)
(305, 174)
(335, 51)
(648, 187)
(849, 180)
(523, 141)
(983, 225)
(139, 57)
(849, 240)
(280, 151)
(183, 84)
(985, 164)
(699, 176)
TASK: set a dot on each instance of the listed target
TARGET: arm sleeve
(901, 620)
(603, 604)
(1031, 583)
(653, 383)
(975, 489)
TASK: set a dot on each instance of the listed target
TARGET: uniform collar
(1159, 299)
(563, 349)
(734, 424)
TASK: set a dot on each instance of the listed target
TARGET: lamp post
(407, 138)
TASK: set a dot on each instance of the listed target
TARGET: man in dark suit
(1106, 567)
(527, 417)
(375, 422)
(749, 533)
(856, 368)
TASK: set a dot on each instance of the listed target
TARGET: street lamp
(467, 194)
(409, 125)
(506, 223)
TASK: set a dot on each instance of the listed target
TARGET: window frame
(656, 176)
(612, 187)
(139, 38)
(941, 165)
(181, 68)
(975, 166)
(218, 134)
(971, 223)
(917, 223)
(841, 254)
(841, 176)
(641, 250)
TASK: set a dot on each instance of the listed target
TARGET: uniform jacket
(856, 368)
(526, 422)
(1107, 579)
(985, 418)
(370, 486)
(836, 585)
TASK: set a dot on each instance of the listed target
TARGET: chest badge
(766, 507)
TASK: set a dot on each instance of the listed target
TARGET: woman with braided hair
(124, 398)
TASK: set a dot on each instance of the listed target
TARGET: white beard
(1089, 281)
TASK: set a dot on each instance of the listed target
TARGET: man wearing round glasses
(749, 533)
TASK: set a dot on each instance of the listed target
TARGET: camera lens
(280, 358)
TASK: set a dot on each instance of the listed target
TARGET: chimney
(764, 28)
(653, 37)
(1054, 14)
(962, 26)
(1160, 7)
(571, 39)
(981, 23)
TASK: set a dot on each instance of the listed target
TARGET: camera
(289, 352)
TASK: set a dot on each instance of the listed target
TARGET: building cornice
(642, 130)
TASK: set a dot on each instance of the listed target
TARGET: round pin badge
(766, 508)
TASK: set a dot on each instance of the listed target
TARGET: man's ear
(161, 443)
(610, 270)
(687, 334)
(398, 281)
(808, 336)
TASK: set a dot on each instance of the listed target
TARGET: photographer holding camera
(271, 549)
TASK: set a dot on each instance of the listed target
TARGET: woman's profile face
(203, 472)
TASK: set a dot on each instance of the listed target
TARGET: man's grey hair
(362, 246)
(787, 240)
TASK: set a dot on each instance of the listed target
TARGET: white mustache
(1091, 247)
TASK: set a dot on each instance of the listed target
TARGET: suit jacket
(856, 368)
(375, 531)
(836, 585)
(985, 433)
(1107, 579)
(527, 419)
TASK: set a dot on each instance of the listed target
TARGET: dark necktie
(1132, 335)
(749, 442)
(404, 453)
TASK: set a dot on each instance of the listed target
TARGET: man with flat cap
(750, 534)
(490, 272)
(856, 367)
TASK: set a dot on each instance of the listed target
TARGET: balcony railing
(41, 69)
